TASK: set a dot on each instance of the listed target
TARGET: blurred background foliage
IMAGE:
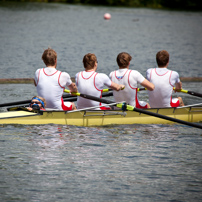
(169, 4)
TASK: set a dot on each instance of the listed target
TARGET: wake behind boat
(89, 117)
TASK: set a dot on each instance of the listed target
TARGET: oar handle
(188, 92)
(68, 91)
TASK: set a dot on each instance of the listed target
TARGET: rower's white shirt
(129, 78)
(164, 80)
(50, 85)
(90, 83)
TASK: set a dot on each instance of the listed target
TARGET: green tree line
(172, 4)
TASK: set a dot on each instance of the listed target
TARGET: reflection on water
(113, 163)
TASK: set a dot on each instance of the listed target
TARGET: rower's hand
(122, 87)
(73, 93)
(29, 108)
(176, 89)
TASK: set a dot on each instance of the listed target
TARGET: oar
(27, 101)
(74, 97)
(66, 97)
(189, 92)
(109, 89)
(131, 108)
(15, 103)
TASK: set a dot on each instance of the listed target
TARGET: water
(73, 31)
(130, 163)
(114, 163)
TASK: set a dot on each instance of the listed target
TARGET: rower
(50, 82)
(164, 81)
(92, 83)
(130, 78)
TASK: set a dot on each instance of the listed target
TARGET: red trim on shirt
(129, 80)
(122, 76)
(159, 74)
(170, 78)
(89, 76)
(50, 74)
(95, 85)
(59, 80)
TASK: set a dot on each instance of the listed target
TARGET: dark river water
(98, 164)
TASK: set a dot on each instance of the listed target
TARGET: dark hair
(49, 57)
(162, 58)
(123, 59)
(89, 60)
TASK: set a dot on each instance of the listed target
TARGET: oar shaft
(189, 92)
(131, 108)
(194, 93)
(15, 103)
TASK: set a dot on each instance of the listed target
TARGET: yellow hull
(100, 118)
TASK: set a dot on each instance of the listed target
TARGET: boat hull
(100, 118)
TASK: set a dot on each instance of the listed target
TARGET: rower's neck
(90, 70)
(51, 66)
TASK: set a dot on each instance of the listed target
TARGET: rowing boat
(89, 117)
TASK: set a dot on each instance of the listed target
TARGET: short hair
(49, 57)
(89, 60)
(162, 58)
(123, 59)
(41, 98)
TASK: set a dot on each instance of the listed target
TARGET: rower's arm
(148, 85)
(178, 85)
(116, 86)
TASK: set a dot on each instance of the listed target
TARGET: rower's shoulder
(150, 69)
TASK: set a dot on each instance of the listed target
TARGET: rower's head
(90, 61)
(49, 57)
(123, 60)
(162, 58)
(38, 102)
